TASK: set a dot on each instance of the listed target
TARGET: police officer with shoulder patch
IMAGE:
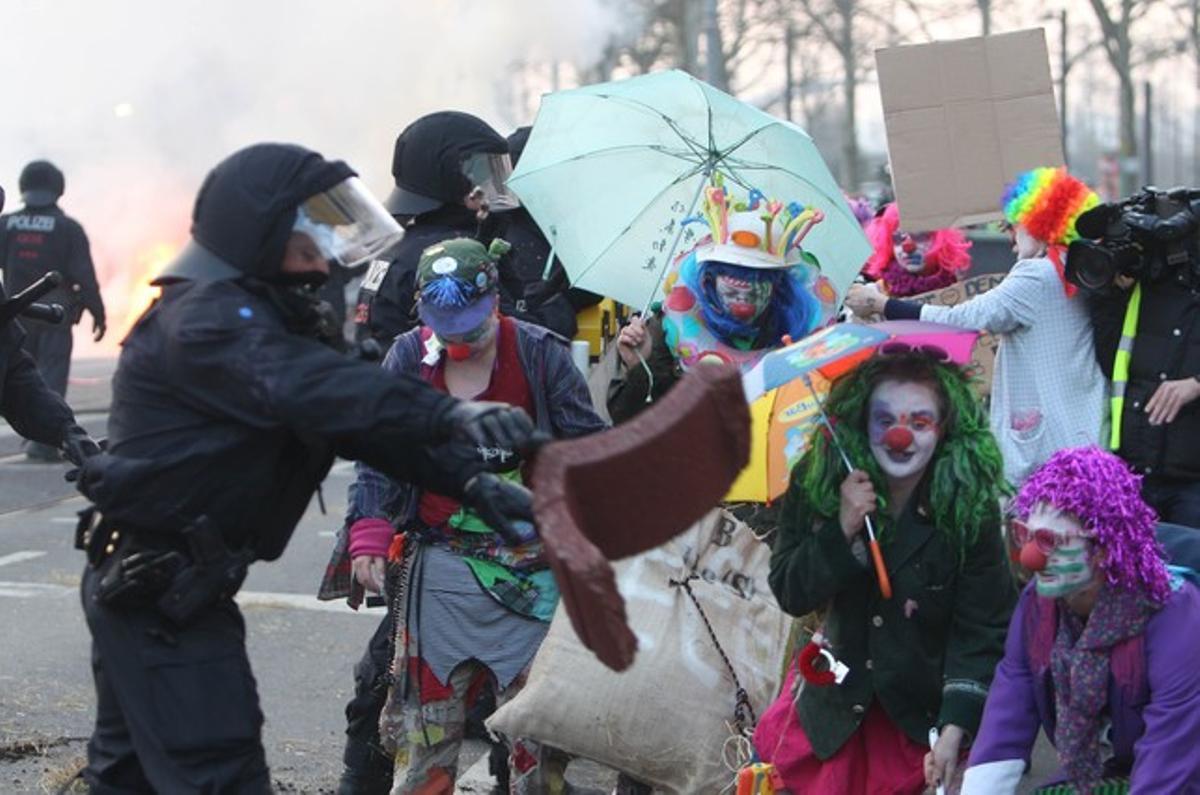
(35, 240)
(33, 409)
(228, 409)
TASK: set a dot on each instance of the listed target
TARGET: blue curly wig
(793, 309)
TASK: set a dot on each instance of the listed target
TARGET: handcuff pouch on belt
(180, 581)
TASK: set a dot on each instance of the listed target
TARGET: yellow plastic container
(598, 325)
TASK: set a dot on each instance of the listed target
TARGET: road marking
(327, 533)
(476, 778)
(340, 467)
(21, 557)
(65, 519)
(299, 601)
(32, 590)
(293, 601)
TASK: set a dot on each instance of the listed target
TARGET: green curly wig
(965, 479)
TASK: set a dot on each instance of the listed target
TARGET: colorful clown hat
(1047, 202)
(756, 233)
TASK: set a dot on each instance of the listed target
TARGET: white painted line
(64, 519)
(300, 601)
(327, 533)
(32, 590)
(340, 467)
(476, 779)
(21, 557)
(292, 601)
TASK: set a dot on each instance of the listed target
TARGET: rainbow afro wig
(1102, 492)
(949, 250)
(1047, 202)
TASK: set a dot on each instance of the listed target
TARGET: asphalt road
(302, 651)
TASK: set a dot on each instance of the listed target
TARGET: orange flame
(148, 264)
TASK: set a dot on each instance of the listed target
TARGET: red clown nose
(458, 352)
(898, 438)
(1032, 558)
(742, 311)
(908, 245)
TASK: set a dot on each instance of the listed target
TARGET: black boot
(368, 770)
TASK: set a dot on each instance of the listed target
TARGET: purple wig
(1102, 492)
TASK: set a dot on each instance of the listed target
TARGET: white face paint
(904, 427)
(1061, 538)
(1026, 245)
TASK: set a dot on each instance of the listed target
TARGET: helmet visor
(488, 172)
(347, 223)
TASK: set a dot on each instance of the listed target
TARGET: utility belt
(179, 573)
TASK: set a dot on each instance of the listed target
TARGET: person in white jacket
(1048, 392)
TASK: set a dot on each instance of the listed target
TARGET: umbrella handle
(885, 583)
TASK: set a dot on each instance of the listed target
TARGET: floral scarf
(1079, 663)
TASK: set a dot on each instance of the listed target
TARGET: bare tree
(837, 23)
(1117, 20)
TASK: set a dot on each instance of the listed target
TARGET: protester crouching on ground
(471, 605)
(1047, 391)
(1102, 649)
(929, 474)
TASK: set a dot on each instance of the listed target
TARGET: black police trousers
(368, 767)
(50, 346)
(176, 708)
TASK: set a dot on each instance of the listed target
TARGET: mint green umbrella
(611, 171)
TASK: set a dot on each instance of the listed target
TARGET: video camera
(1145, 236)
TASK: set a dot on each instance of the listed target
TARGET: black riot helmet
(41, 184)
(255, 200)
(440, 158)
(516, 143)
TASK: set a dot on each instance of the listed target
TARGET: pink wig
(1102, 492)
(948, 252)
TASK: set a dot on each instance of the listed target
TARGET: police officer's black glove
(99, 327)
(488, 424)
(78, 446)
(503, 505)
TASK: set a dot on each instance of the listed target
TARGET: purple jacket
(1153, 694)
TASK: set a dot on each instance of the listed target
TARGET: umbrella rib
(696, 147)
(616, 238)
(659, 148)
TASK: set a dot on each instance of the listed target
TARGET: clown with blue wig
(747, 285)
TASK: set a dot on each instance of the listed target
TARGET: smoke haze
(136, 99)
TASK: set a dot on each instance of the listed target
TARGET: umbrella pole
(885, 583)
(661, 273)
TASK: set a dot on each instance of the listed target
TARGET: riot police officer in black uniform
(35, 240)
(450, 170)
(434, 199)
(228, 410)
(34, 410)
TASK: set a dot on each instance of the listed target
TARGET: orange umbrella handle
(885, 584)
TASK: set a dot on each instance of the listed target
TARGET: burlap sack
(665, 719)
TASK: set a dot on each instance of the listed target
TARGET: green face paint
(1067, 567)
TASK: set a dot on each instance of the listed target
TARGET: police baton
(23, 303)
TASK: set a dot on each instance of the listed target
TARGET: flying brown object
(614, 494)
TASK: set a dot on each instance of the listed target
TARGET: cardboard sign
(963, 119)
(984, 361)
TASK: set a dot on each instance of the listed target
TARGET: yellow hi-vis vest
(1120, 378)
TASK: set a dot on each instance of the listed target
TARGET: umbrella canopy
(611, 172)
(837, 349)
(781, 425)
(788, 387)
